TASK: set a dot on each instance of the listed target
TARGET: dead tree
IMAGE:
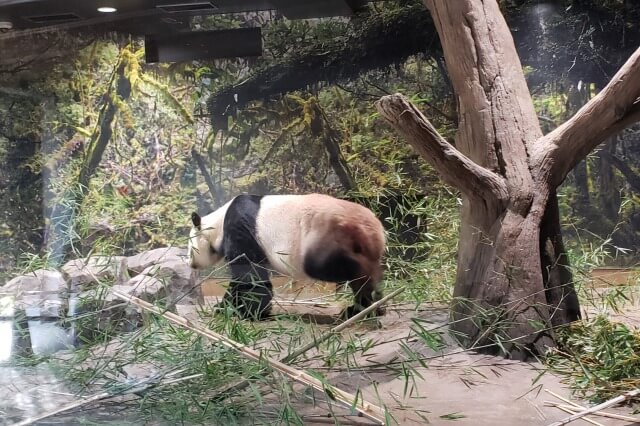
(512, 285)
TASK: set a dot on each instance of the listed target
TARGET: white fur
(280, 228)
(209, 235)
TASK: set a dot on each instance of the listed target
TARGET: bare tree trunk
(581, 176)
(214, 189)
(556, 274)
(512, 284)
(331, 137)
(99, 142)
(608, 190)
(60, 228)
(633, 179)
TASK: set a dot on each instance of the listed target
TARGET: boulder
(179, 279)
(144, 287)
(100, 313)
(40, 293)
(142, 261)
(89, 271)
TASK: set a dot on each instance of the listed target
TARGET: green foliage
(551, 106)
(425, 266)
(599, 358)
(173, 353)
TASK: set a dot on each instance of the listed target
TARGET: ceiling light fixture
(107, 9)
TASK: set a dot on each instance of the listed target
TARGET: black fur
(334, 266)
(340, 268)
(250, 291)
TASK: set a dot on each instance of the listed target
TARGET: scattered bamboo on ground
(137, 386)
(573, 406)
(367, 409)
(613, 401)
(360, 315)
(242, 384)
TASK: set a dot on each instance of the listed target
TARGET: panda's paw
(348, 312)
(353, 310)
(266, 315)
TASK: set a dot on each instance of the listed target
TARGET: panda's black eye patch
(212, 250)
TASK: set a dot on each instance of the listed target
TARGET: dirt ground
(483, 389)
(457, 387)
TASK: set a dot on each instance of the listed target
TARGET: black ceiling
(153, 16)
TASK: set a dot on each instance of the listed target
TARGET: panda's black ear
(195, 218)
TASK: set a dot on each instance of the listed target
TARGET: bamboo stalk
(613, 401)
(365, 408)
(142, 384)
(570, 411)
(564, 399)
(71, 406)
(575, 409)
(599, 413)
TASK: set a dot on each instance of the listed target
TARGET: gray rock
(144, 287)
(179, 279)
(142, 261)
(102, 313)
(40, 293)
(89, 271)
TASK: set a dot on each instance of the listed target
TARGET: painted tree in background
(512, 284)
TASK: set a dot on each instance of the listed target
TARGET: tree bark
(512, 284)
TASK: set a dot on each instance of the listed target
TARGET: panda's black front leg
(250, 291)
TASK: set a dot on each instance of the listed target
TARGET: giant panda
(312, 236)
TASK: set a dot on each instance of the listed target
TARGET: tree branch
(373, 41)
(617, 106)
(454, 167)
(213, 190)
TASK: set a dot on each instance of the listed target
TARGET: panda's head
(204, 243)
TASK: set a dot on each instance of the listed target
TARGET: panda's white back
(278, 229)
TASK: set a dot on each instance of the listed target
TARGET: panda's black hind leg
(363, 296)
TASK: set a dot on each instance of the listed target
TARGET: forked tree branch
(617, 106)
(454, 167)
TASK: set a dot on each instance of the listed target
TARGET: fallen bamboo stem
(71, 406)
(365, 408)
(550, 392)
(618, 399)
(239, 385)
(575, 409)
(570, 411)
(291, 302)
(599, 413)
(138, 386)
